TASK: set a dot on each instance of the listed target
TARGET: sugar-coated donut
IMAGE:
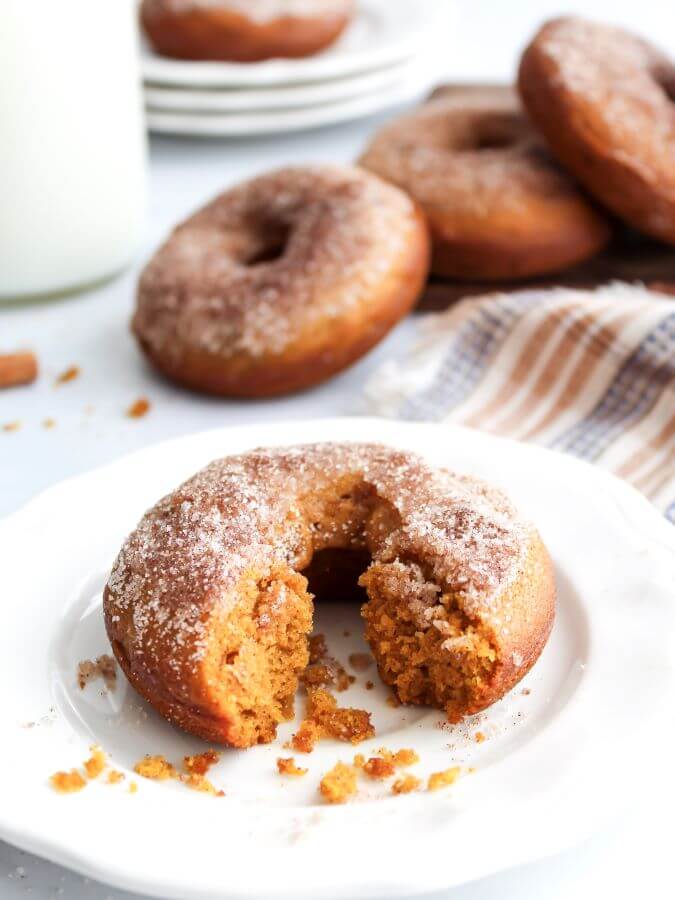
(243, 30)
(498, 206)
(282, 281)
(208, 610)
(602, 98)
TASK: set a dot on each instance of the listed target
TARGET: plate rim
(298, 96)
(286, 121)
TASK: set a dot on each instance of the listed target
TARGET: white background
(91, 330)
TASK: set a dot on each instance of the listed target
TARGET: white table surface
(91, 330)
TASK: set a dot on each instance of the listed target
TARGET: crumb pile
(324, 718)
(75, 780)
(158, 768)
(340, 784)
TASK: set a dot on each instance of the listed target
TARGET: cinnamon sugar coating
(208, 611)
(497, 204)
(602, 98)
(282, 281)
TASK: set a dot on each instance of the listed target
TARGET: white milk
(72, 143)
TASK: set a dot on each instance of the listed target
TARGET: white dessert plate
(276, 121)
(291, 96)
(551, 769)
(383, 32)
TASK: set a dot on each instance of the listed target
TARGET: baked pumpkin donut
(601, 97)
(282, 282)
(243, 30)
(497, 205)
(208, 611)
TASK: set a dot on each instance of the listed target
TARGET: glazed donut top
(251, 513)
(266, 261)
(262, 11)
(473, 152)
(617, 85)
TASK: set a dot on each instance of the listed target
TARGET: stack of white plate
(388, 55)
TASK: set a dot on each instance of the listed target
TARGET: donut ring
(497, 205)
(600, 97)
(281, 282)
(208, 611)
(243, 30)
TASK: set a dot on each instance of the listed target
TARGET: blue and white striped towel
(590, 373)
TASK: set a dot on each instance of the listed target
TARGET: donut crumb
(67, 782)
(438, 780)
(288, 767)
(405, 785)
(68, 375)
(339, 784)
(139, 408)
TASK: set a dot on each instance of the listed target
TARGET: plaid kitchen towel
(590, 373)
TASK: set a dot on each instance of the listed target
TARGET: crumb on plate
(201, 762)
(339, 784)
(405, 785)
(67, 782)
(288, 767)
(443, 779)
(96, 762)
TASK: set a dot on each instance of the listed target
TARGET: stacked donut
(287, 279)
(243, 31)
(515, 191)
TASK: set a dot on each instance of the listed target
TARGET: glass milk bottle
(72, 143)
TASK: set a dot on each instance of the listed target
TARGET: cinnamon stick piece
(18, 368)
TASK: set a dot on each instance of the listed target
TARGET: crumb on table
(139, 408)
(69, 374)
(12, 426)
(115, 776)
(339, 784)
(479, 737)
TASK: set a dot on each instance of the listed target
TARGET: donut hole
(270, 246)
(495, 132)
(665, 78)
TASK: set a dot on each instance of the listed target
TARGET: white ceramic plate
(276, 121)
(384, 32)
(555, 764)
(292, 96)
